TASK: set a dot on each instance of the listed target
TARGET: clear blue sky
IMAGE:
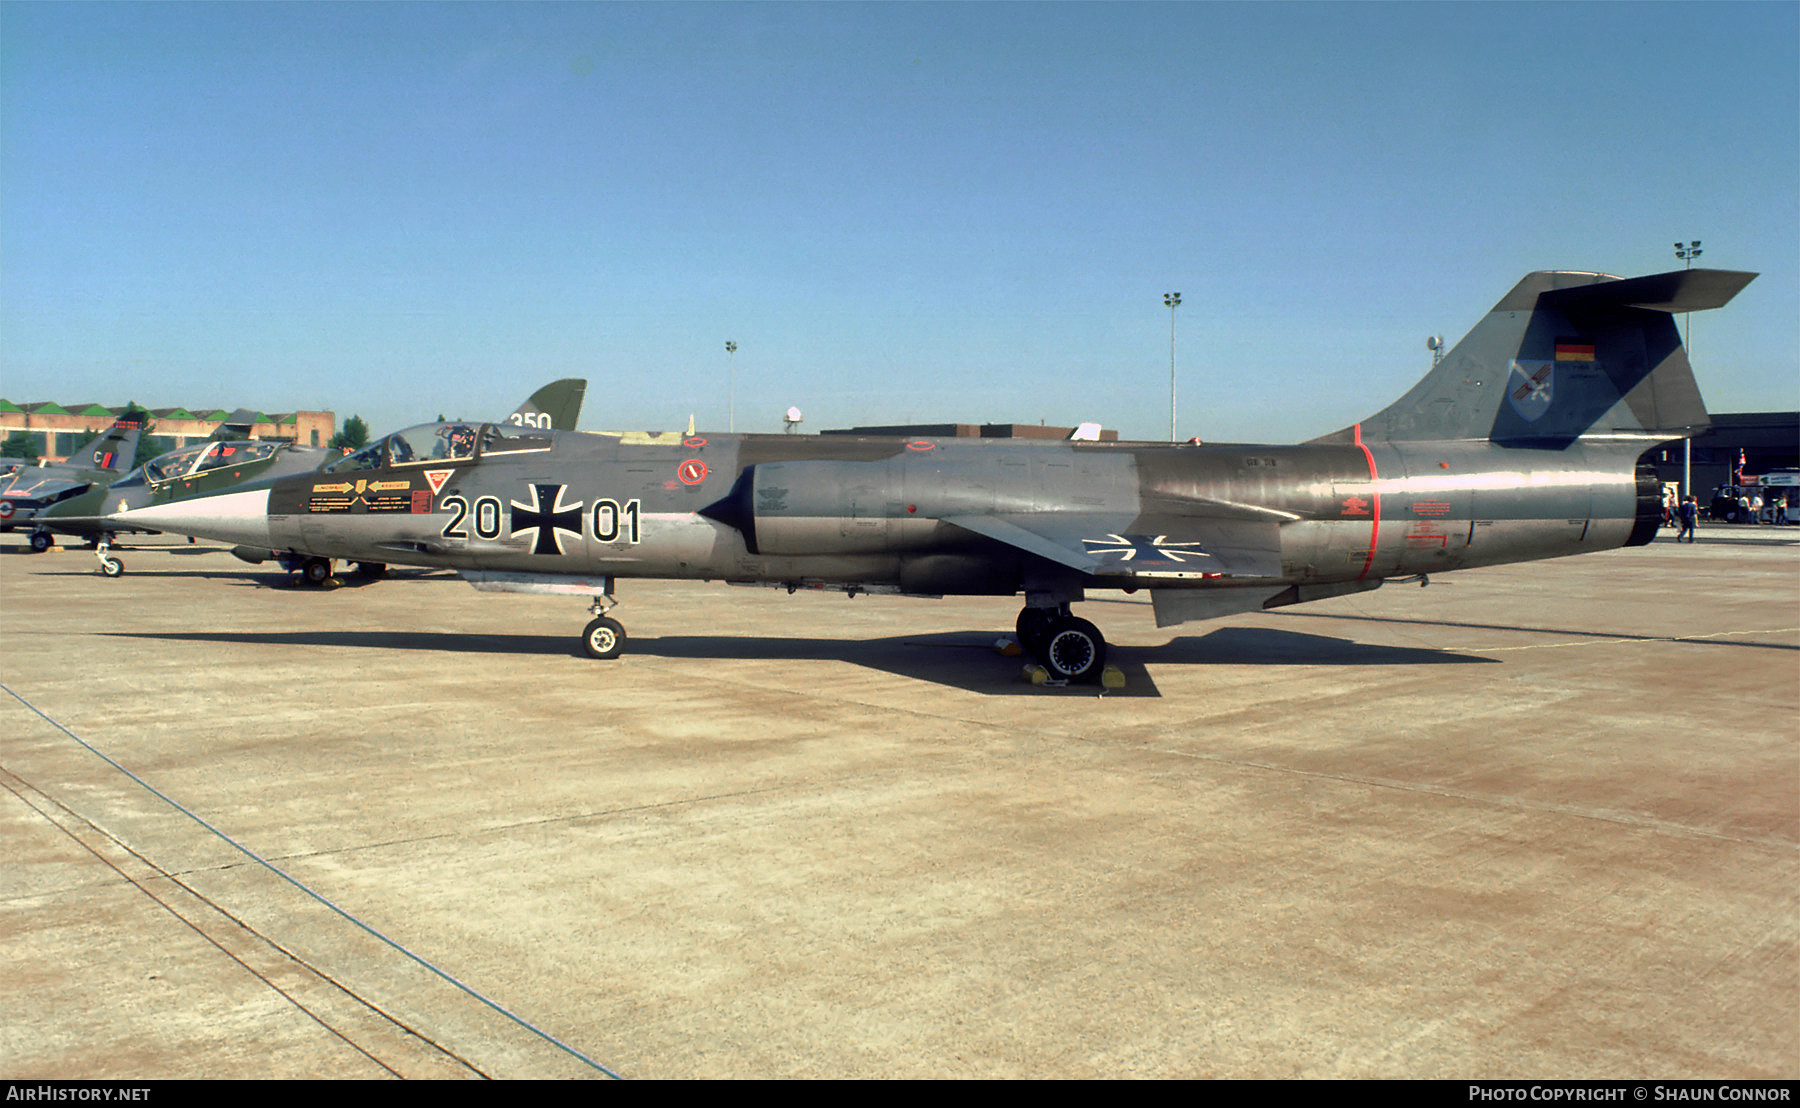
(914, 212)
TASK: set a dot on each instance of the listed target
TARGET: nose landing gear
(604, 637)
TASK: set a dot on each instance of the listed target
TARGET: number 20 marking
(487, 517)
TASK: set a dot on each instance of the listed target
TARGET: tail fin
(235, 427)
(114, 448)
(1565, 355)
(556, 406)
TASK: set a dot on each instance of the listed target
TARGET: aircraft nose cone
(240, 518)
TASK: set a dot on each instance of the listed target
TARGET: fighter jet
(1524, 442)
(555, 407)
(28, 490)
(193, 470)
(226, 459)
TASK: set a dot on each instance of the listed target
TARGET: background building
(58, 428)
(969, 431)
(1767, 440)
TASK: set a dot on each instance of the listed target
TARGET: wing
(1148, 545)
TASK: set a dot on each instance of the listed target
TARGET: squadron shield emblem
(1530, 388)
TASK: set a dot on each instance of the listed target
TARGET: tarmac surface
(1534, 821)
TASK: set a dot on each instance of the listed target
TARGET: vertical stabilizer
(556, 406)
(114, 448)
(235, 427)
(1563, 356)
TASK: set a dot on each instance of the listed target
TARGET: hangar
(58, 428)
(1765, 441)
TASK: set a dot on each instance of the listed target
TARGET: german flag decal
(1570, 350)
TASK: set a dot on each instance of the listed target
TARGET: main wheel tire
(315, 571)
(1032, 628)
(1074, 650)
(604, 638)
(40, 541)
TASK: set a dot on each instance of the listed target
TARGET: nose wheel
(603, 638)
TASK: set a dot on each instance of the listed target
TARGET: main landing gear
(315, 571)
(1071, 648)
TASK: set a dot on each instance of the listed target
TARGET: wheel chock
(1007, 647)
(1112, 677)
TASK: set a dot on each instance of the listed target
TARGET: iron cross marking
(549, 515)
(1146, 550)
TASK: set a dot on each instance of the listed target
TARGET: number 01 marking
(614, 522)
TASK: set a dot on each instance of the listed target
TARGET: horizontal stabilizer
(1684, 290)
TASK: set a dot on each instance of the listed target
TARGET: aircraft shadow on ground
(1470, 625)
(964, 660)
(1273, 646)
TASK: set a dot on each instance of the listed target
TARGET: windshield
(433, 442)
(369, 457)
(175, 463)
(425, 444)
(235, 454)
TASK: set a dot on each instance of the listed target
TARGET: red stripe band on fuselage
(1374, 505)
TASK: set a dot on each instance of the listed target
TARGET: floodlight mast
(1687, 254)
(730, 385)
(1172, 300)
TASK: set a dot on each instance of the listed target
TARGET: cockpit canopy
(449, 443)
(191, 461)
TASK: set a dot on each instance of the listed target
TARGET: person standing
(1690, 512)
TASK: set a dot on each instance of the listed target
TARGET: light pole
(1172, 300)
(730, 385)
(1687, 254)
